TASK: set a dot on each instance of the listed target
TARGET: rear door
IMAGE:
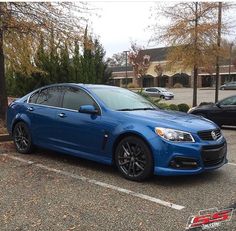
(42, 109)
(228, 107)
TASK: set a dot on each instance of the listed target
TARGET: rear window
(48, 96)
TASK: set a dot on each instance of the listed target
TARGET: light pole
(218, 46)
(126, 67)
(230, 59)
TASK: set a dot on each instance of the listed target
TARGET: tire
(22, 138)
(133, 159)
(162, 97)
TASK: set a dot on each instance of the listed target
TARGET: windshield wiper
(145, 108)
(125, 109)
(136, 109)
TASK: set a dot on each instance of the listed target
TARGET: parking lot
(184, 95)
(51, 191)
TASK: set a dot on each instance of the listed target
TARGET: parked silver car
(228, 86)
(158, 92)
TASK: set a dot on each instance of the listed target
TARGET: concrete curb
(5, 137)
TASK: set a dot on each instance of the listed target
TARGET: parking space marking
(99, 183)
(232, 164)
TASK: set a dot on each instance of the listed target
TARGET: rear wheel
(134, 159)
(22, 138)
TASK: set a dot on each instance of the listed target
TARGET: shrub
(173, 107)
(132, 85)
(183, 107)
(163, 105)
(178, 85)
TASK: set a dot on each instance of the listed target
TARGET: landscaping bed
(3, 129)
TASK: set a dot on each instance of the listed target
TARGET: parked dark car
(113, 125)
(222, 113)
(228, 86)
(158, 92)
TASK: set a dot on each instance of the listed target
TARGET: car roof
(82, 85)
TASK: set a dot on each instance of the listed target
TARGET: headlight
(174, 135)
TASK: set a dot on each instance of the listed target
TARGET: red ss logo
(205, 219)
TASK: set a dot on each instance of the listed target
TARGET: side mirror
(218, 105)
(89, 109)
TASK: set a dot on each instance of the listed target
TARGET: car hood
(172, 119)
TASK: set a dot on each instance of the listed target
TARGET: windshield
(163, 89)
(121, 99)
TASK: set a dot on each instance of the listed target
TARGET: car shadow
(186, 180)
(75, 161)
(111, 171)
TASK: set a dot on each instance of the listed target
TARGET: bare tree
(22, 24)
(117, 60)
(140, 62)
(192, 33)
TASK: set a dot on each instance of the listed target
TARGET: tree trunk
(195, 68)
(3, 95)
(217, 57)
(195, 74)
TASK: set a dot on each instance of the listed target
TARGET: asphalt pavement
(52, 191)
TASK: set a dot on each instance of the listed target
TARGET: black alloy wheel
(22, 138)
(134, 159)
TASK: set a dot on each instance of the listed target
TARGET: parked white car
(158, 92)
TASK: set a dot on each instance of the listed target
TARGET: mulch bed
(3, 129)
(7, 147)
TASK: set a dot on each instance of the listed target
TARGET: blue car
(113, 125)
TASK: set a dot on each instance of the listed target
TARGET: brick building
(168, 78)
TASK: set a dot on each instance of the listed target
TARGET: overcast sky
(121, 22)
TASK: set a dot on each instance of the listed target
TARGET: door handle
(30, 108)
(62, 115)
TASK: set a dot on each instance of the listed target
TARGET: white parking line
(232, 164)
(99, 183)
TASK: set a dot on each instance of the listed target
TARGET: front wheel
(134, 159)
(22, 138)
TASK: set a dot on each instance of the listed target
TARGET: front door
(79, 132)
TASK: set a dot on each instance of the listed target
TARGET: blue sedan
(113, 125)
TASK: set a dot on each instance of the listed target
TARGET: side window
(74, 98)
(33, 98)
(229, 101)
(151, 90)
(50, 96)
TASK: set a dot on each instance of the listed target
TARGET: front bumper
(169, 97)
(189, 158)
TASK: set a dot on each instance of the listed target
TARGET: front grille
(214, 154)
(210, 134)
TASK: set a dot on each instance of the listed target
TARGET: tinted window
(50, 96)
(120, 99)
(74, 98)
(229, 101)
(151, 90)
(33, 98)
